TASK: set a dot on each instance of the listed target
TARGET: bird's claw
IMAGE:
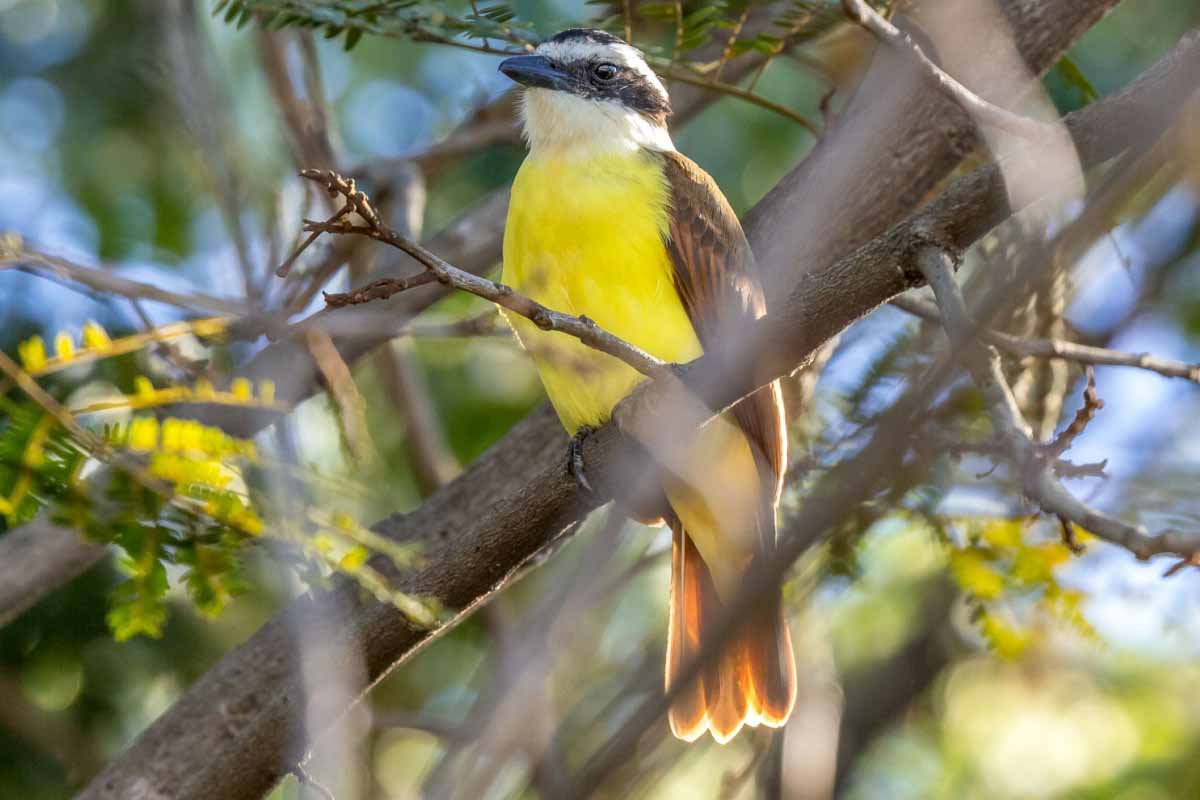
(575, 457)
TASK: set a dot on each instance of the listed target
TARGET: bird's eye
(605, 71)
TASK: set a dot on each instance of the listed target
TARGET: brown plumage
(752, 680)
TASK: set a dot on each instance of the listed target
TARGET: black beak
(535, 71)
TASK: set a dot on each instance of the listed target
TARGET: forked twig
(357, 204)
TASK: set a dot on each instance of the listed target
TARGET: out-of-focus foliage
(173, 492)
(142, 135)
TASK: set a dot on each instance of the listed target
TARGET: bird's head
(586, 88)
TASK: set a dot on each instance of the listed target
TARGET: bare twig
(582, 328)
(350, 404)
(683, 75)
(973, 104)
(106, 281)
(1083, 417)
(378, 290)
(311, 784)
(1059, 348)
(1037, 478)
(433, 462)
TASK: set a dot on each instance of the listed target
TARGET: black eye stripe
(627, 86)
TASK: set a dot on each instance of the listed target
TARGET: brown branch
(378, 290)
(582, 328)
(1083, 417)
(351, 407)
(973, 104)
(1060, 348)
(37, 558)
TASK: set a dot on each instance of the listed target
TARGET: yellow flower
(1035, 565)
(32, 353)
(354, 558)
(143, 434)
(172, 430)
(209, 327)
(975, 574)
(266, 392)
(250, 523)
(204, 389)
(1004, 534)
(64, 346)
(143, 387)
(94, 336)
(1008, 640)
(191, 435)
(242, 389)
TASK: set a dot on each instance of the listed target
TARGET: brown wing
(716, 277)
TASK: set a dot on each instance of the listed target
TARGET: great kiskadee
(609, 221)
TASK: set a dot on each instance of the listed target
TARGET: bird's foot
(575, 456)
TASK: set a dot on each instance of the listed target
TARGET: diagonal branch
(582, 328)
(973, 104)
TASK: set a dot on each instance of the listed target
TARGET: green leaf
(1074, 77)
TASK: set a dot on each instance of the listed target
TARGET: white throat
(554, 120)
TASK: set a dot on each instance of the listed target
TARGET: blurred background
(947, 648)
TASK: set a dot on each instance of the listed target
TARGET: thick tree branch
(517, 497)
(38, 558)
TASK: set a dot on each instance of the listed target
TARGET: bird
(607, 220)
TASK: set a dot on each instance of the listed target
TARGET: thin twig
(1060, 348)
(727, 52)
(748, 95)
(351, 406)
(104, 280)
(312, 784)
(378, 290)
(582, 328)
(973, 104)
(1083, 417)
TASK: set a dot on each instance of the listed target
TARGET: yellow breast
(585, 235)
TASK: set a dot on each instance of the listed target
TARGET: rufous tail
(752, 678)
